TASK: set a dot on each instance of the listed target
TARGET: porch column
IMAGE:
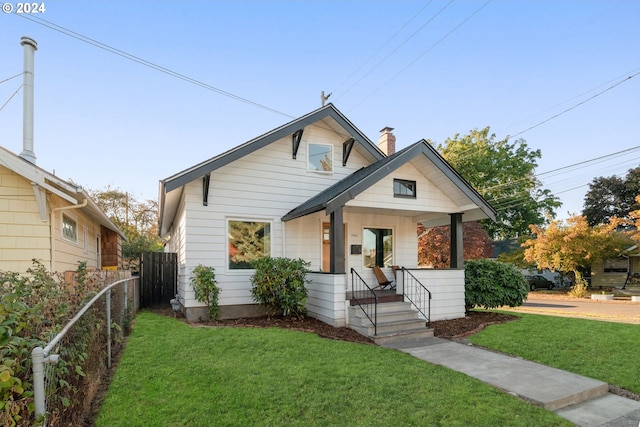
(456, 255)
(336, 243)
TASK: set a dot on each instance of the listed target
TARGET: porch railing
(364, 296)
(417, 294)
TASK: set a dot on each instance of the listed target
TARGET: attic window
(404, 188)
(320, 158)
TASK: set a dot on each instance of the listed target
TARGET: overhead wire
(397, 48)
(422, 54)
(361, 66)
(146, 63)
(578, 104)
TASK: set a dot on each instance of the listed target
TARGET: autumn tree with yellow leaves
(573, 246)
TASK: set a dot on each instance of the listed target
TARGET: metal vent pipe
(30, 46)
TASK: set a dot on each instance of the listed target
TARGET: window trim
(403, 183)
(309, 169)
(227, 242)
(63, 227)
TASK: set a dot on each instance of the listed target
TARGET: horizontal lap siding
(428, 197)
(261, 186)
(447, 291)
(326, 298)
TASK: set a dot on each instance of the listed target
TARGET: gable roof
(168, 205)
(348, 188)
(208, 166)
(70, 192)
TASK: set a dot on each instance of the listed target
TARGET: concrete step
(358, 318)
(396, 321)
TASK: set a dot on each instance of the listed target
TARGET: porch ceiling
(428, 219)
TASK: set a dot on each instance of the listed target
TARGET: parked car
(539, 282)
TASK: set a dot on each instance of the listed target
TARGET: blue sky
(428, 69)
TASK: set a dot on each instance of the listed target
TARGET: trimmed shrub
(204, 285)
(492, 284)
(279, 284)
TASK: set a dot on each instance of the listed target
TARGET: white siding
(327, 298)
(261, 186)
(381, 196)
(447, 291)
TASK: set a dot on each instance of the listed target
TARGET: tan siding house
(51, 220)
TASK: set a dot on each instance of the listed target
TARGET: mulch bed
(472, 323)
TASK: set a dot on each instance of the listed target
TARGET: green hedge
(492, 284)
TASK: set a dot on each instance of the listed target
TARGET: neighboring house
(317, 189)
(43, 217)
(46, 218)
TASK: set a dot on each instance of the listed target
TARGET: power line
(380, 48)
(146, 63)
(422, 54)
(578, 104)
(397, 48)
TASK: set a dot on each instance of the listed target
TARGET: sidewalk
(583, 401)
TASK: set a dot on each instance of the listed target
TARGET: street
(560, 305)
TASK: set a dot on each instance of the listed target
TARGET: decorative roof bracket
(295, 141)
(346, 150)
(205, 189)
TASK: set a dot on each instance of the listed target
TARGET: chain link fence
(69, 371)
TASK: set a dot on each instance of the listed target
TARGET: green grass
(172, 374)
(605, 351)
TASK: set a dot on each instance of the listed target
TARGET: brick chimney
(387, 141)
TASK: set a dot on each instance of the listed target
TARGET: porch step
(396, 321)
(384, 296)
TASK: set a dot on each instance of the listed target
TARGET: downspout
(53, 228)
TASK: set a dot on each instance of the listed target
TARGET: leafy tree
(574, 246)
(434, 244)
(503, 173)
(612, 197)
(136, 219)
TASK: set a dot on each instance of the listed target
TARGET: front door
(326, 244)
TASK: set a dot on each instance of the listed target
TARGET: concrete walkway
(583, 401)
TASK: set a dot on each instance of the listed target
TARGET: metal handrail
(369, 292)
(417, 298)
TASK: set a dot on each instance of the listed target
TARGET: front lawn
(173, 374)
(606, 351)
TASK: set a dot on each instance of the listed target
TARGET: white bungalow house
(318, 189)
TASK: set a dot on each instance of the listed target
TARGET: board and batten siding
(261, 186)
